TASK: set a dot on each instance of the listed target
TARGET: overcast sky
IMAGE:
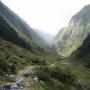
(46, 15)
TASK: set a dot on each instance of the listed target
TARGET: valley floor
(29, 83)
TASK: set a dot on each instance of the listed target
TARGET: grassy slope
(13, 58)
(80, 72)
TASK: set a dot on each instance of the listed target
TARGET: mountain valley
(33, 60)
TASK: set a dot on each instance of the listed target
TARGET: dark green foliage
(13, 68)
(38, 61)
(8, 33)
(55, 77)
(63, 76)
(83, 52)
(85, 48)
(43, 73)
(10, 58)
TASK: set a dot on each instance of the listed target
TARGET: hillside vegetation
(82, 54)
(14, 58)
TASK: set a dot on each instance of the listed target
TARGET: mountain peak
(83, 14)
(87, 6)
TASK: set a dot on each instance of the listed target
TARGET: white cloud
(46, 15)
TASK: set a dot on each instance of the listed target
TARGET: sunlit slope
(73, 36)
(82, 54)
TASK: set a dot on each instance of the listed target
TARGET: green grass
(55, 78)
(79, 71)
(14, 58)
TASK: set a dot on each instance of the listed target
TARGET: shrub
(43, 74)
(62, 76)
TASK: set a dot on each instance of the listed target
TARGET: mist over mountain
(47, 37)
(18, 25)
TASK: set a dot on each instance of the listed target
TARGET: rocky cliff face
(77, 30)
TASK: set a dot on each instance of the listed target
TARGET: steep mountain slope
(14, 35)
(19, 25)
(77, 30)
(60, 37)
(83, 52)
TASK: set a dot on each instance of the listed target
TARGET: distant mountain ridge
(73, 36)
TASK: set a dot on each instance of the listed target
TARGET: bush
(43, 74)
(62, 76)
(54, 78)
(57, 85)
(38, 61)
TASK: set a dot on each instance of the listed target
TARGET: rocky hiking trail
(26, 80)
